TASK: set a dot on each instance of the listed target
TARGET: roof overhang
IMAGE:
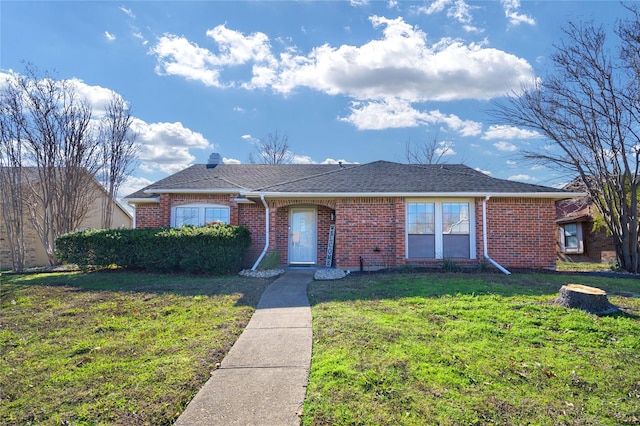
(194, 191)
(134, 201)
(283, 195)
(574, 219)
(547, 195)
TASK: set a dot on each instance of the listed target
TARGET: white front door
(302, 235)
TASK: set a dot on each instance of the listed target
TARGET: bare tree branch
(272, 149)
(119, 152)
(589, 109)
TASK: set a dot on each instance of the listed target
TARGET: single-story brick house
(374, 215)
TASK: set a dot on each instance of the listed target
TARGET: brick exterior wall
(368, 228)
(521, 232)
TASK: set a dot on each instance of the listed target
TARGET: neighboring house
(383, 214)
(35, 253)
(577, 242)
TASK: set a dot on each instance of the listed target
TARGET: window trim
(579, 236)
(439, 248)
(201, 211)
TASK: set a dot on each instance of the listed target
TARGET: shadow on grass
(250, 289)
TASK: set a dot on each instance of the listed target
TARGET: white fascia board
(193, 191)
(552, 195)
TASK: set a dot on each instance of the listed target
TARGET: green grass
(113, 347)
(462, 349)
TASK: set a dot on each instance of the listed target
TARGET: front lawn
(462, 349)
(115, 347)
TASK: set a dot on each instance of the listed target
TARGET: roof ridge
(342, 167)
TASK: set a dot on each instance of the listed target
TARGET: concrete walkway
(263, 379)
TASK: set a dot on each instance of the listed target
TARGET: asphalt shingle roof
(376, 177)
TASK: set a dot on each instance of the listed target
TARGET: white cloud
(459, 10)
(251, 139)
(98, 97)
(486, 172)
(230, 161)
(305, 159)
(236, 49)
(392, 4)
(384, 77)
(522, 178)
(510, 162)
(396, 113)
(400, 64)
(358, 3)
(165, 146)
(505, 146)
(128, 12)
(301, 159)
(140, 36)
(177, 56)
(509, 132)
(511, 12)
(109, 36)
(343, 161)
(444, 148)
(133, 184)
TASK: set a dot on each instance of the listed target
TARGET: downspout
(266, 243)
(484, 237)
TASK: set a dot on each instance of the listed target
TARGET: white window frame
(201, 212)
(438, 224)
(579, 249)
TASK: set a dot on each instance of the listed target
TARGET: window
(199, 215)
(571, 238)
(455, 229)
(421, 221)
(440, 230)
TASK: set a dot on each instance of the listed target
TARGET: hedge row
(217, 249)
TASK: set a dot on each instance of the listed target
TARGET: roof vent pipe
(214, 160)
(484, 237)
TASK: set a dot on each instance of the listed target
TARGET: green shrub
(217, 249)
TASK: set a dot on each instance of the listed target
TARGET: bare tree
(272, 149)
(119, 152)
(11, 199)
(589, 109)
(431, 151)
(53, 128)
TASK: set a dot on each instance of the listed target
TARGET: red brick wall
(369, 228)
(521, 231)
(148, 216)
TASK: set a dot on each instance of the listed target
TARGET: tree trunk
(590, 299)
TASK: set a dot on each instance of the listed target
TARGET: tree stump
(590, 299)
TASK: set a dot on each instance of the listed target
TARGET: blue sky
(353, 81)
